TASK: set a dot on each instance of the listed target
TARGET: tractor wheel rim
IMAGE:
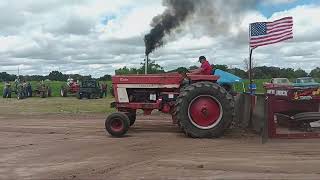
(205, 111)
(116, 125)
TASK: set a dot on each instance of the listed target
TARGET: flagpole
(250, 61)
(250, 81)
(250, 70)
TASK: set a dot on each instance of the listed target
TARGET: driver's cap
(202, 58)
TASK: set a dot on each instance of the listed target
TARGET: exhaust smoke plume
(207, 16)
(176, 13)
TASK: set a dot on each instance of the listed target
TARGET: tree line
(53, 76)
(260, 72)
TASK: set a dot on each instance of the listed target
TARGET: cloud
(277, 2)
(96, 37)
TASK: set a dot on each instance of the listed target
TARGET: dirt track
(62, 146)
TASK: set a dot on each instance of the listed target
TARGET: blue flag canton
(259, 28)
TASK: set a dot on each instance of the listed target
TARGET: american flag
(264, 33)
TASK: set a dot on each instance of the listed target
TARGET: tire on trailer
(204, 110)
(117, 124)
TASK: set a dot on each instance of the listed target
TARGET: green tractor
(43, 89)
(22, 89)
(89, 89)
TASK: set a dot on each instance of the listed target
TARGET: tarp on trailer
(227, 78)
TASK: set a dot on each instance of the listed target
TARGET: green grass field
(67, 105)
(239, 87)
(56, 85)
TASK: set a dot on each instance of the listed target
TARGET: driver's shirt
(206, 68)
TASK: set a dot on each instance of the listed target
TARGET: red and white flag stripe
(276, 31)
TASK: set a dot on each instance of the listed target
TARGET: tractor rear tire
(204, 110)
(117, 124)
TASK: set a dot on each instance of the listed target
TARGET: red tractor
(198, 105)
(71, 87)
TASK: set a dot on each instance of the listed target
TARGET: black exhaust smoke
(176, 13)
(211, 16)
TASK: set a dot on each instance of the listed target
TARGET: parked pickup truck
(277, 82)
(305, 82)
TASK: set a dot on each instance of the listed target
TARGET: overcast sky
(98, 36)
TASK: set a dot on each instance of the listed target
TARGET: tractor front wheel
(204, 110)
(117, 124)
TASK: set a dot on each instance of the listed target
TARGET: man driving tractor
(205, 68)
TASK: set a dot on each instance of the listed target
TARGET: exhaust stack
(146, 64)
